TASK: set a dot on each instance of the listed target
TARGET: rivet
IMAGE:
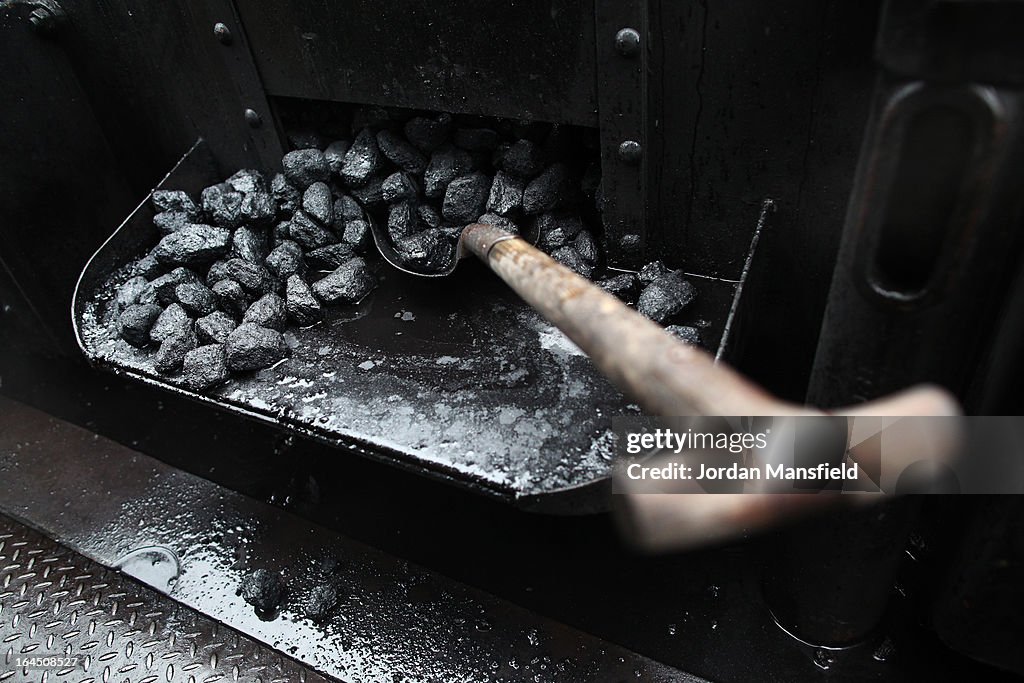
(222, 32)
(252, 118)
(627, 42)
(630, 152)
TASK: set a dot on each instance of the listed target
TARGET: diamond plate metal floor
(55, 602)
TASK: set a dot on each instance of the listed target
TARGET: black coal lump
(477, 139)
(171, 355)
(148, 267)
(318, 203)
(322, 598)
(665, 297)
(400, 152)
(281, 232)
(347, 209)
(285, 260)
(173, 319)
(330, 257)
(371, 194)
(215, 328)
(164, 286)
(586, 246)
(309, 233)
(362, 160)
(550, 190)
(263, 589)
(399, 187)
(690, 335)
(335, 155)
(624, 285)
(402, 220)
(427, 251)
(218, 271)
(497, 221)
(249, 244)
(267, 311)
(135, 323)
(446, 164)
(233, 299)
(303, 167)
(652, 271)
(205, 367)
(193, 245)
(428, 216)
(571, 259)
(167, 222)
(251, 347)
(523, 158)
(252, 276)
(223, 206)
(248, 180)
(259, 209)
(556, 230)
(300, 303)
(175, 200)
(466, 198)
(506, 195)
(357, 233)
(428, 134)
(285, 194)
(196, 297)
(129, 293)
(349, 283)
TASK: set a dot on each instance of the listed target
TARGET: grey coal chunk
(303, 167)
(223, 206)
(466, 197)
(477, 139)
(399, 187)
(218, 271)
(171, 354)
(286, 260)
(196, 297)
(263, 589)
(267, 311)
(249, 244)
(370, 195)
(446, 164)
(193, 245)
(248, 180)
(335, 155)
(349, 283)
(233, 299)
(690, 335)
(348, 209)
(587, 247)
(320, 601)
(362, 160)
(427, 251)
(331, 256)
(428, 216)
(305, 139)
(300, 303)
(402, 220)
(205, 367)
(215, 328)
(550, 190)
(164, 286)
(652, 271)
(175, 200)
(357, 233)
(285, 194)
(428, 134)
(524, 159)
(252, 276)
(251, 347)
(167, 222)
(571, 259)
(281, 232)
(497, 221)
(623, 286)
(309, 233)
(318, 203)
(259, 209)
(129, 293)
(148, 267)
(400, 152)
(556, 230)
(506, 194)
(135, 323)
(665, 297)
(173, 319)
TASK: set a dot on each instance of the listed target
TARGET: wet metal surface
(393, 620)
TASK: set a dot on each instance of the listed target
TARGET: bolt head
(627, 42)
(252, 118)
(222, 32)
(631, 152)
